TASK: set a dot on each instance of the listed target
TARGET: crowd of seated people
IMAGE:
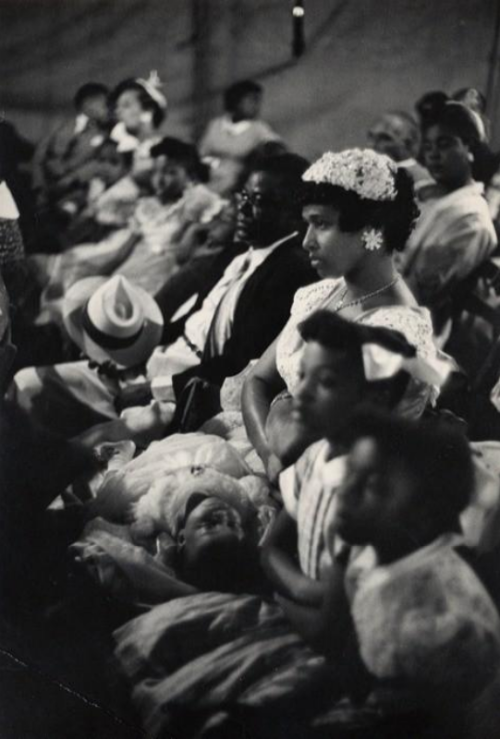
(241, 468)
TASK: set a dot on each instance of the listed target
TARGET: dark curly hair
(462, 122)
(87, 91)
(395, 218)
(146, 100)
(235, 93)
(339, 335)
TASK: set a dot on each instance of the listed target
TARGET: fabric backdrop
(362, 57)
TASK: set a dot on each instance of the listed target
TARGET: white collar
(271, 247)
(406, 163)
(235, 128)
(81, 123)
(125, 140)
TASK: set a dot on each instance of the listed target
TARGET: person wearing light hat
(116, 325)
(218, 333)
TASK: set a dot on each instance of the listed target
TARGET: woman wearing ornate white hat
(360, 209)
(140, 108)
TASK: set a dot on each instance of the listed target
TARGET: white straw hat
(112, 320)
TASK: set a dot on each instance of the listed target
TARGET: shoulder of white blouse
(414, 323)
(307, 298)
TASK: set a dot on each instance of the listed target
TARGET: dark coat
(261, 312)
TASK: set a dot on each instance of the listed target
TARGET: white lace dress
(414, 323)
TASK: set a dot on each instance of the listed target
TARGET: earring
(372, 239)
(146, 116)
(470, 156)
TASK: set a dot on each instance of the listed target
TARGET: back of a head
(286, 167)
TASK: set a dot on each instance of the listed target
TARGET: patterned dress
(414, 323)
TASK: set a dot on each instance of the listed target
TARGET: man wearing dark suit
(260, 281)
(228, 325)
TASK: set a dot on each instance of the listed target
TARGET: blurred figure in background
(231, 138)
(61, 159)
(397, 135)
(454, 233)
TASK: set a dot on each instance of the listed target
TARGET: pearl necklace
(341, 305)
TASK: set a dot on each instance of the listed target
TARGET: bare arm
(327, 627)
(154, 586)
(259, 389)
(280, 564)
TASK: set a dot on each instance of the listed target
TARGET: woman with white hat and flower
(359, 209)
(140, 108)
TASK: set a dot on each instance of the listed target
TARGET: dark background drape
(362, 57)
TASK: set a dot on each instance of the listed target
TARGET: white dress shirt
(186, 351)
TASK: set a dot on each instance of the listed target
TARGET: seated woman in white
(360, 209)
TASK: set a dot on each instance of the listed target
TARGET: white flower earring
(372, 239)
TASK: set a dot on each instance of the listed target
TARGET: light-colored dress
(146, 251)
(425, 619)
(226, 146)
(414, 323)
(453, 236)
(309, 491)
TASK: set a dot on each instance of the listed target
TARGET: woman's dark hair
(458, 119)
(395, 218)
(337, 334)
(147, 102)
(235, 93)
(429, 105)
(183, 153)
(87, 91)
(436, 455)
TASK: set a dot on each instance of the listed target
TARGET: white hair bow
(381, 363)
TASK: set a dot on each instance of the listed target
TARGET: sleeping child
(196, 529)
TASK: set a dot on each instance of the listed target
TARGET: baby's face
(211, 525)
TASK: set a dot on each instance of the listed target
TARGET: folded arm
(279, 560)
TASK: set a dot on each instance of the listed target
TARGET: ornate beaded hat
(363, 171)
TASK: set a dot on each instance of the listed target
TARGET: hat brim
(137, 353)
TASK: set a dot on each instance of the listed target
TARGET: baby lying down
(196, 529)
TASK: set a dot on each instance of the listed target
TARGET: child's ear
(181, 538)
